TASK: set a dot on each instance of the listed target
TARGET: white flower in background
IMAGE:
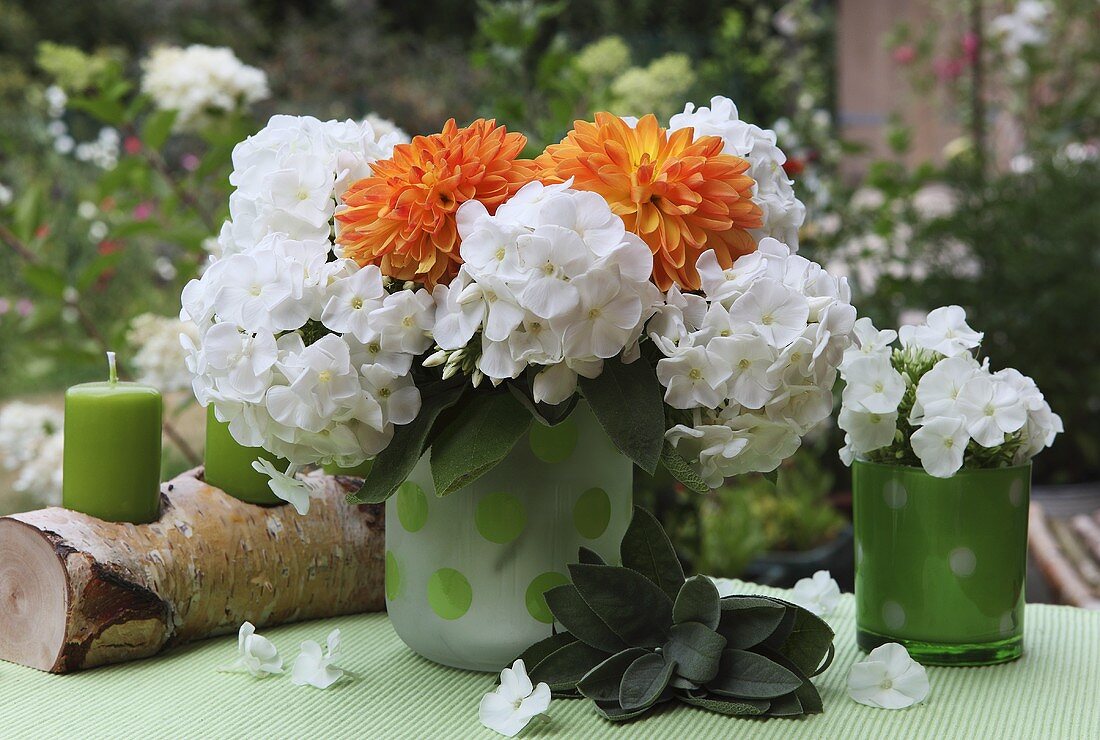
(256, 655)
(385, 128)
(820, 594)
(514, 703)
(867, 198)
(944, 331)
(317, 669)
(940, 444)
(199, 80)
(553, 280)
(1023, 27)
(6, 195)
(31, 444)
(766, 339)
(935, 201)
(159, 360)
(773, 192)
(888, 679)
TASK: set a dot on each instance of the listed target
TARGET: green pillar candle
(362, 470)
(112, 450)
(229, 464)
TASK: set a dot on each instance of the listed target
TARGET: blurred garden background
(947, 152)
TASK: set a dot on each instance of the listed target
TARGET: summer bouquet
(930, 403)
(376, 297)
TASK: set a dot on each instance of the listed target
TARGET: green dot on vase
(500, 517)
(592, 512)
(449, 593)
(393, 577)
(553, 444)
(412, 506)
(536, 601)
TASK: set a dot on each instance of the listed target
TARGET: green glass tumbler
(941, 562)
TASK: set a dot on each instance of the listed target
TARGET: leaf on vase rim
(477, 440)
(628, 402)
(590, 557)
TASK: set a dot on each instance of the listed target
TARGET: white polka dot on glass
(962, 561)
(893, 615)
(895, 494)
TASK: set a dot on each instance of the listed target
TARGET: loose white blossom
(773, 191)
(316, 668)
(256, 655)
(198, 80)
(820, 594)
(285, 485)
(888, 679)
(513, 704)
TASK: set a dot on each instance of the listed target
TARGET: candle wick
(112, 366)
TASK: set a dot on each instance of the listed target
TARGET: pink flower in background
(905, 54)
(948, 70)
(971, 45)
(143, 210)
(132, 145)
(23, 307)
(189, 162)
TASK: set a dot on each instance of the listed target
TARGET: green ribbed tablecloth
(1053, 692)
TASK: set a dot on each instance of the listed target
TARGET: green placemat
(1053, 692)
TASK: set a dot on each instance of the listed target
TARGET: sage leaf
(809, 642)
(681, 469)
(475, 441)
(644, 681)
(393, 465)
(575, 615)
(628, 402)
(562, 663)
(732, 707)
(612, 711)
(808, 697)
(746, 621)
(745, 675)
(696, 649)
(545, 413)
(787, 705)
(629, 603)
(697, 601)
(647, 549)
(590, 557)
(602, 682)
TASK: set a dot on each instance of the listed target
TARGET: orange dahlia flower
(680, 196)
(402, 218)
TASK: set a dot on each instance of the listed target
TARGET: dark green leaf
(602, 682)
(681, 469)
(612, 711)
(747, 621)
(772, 476)
(644, 681)
(157, 128)
(628, 402)
(94, 269)
(590, 557)
(696, 649)
(628, 602)
(725, 706)
(561, 661)
(393, 464)
(575, 615)
(746, 675)
(809, 642)
(647, 549)
(777, 638)
(476, 440)
(28, 213)
(697, 601)
(787, 705)
(545, 413)
(808, 697)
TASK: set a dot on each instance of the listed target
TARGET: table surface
(1052, 692)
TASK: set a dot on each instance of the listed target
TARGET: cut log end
(33, 592)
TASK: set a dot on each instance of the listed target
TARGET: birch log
(78, 592)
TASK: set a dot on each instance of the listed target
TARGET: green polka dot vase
(466, 574)
(940, 562)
